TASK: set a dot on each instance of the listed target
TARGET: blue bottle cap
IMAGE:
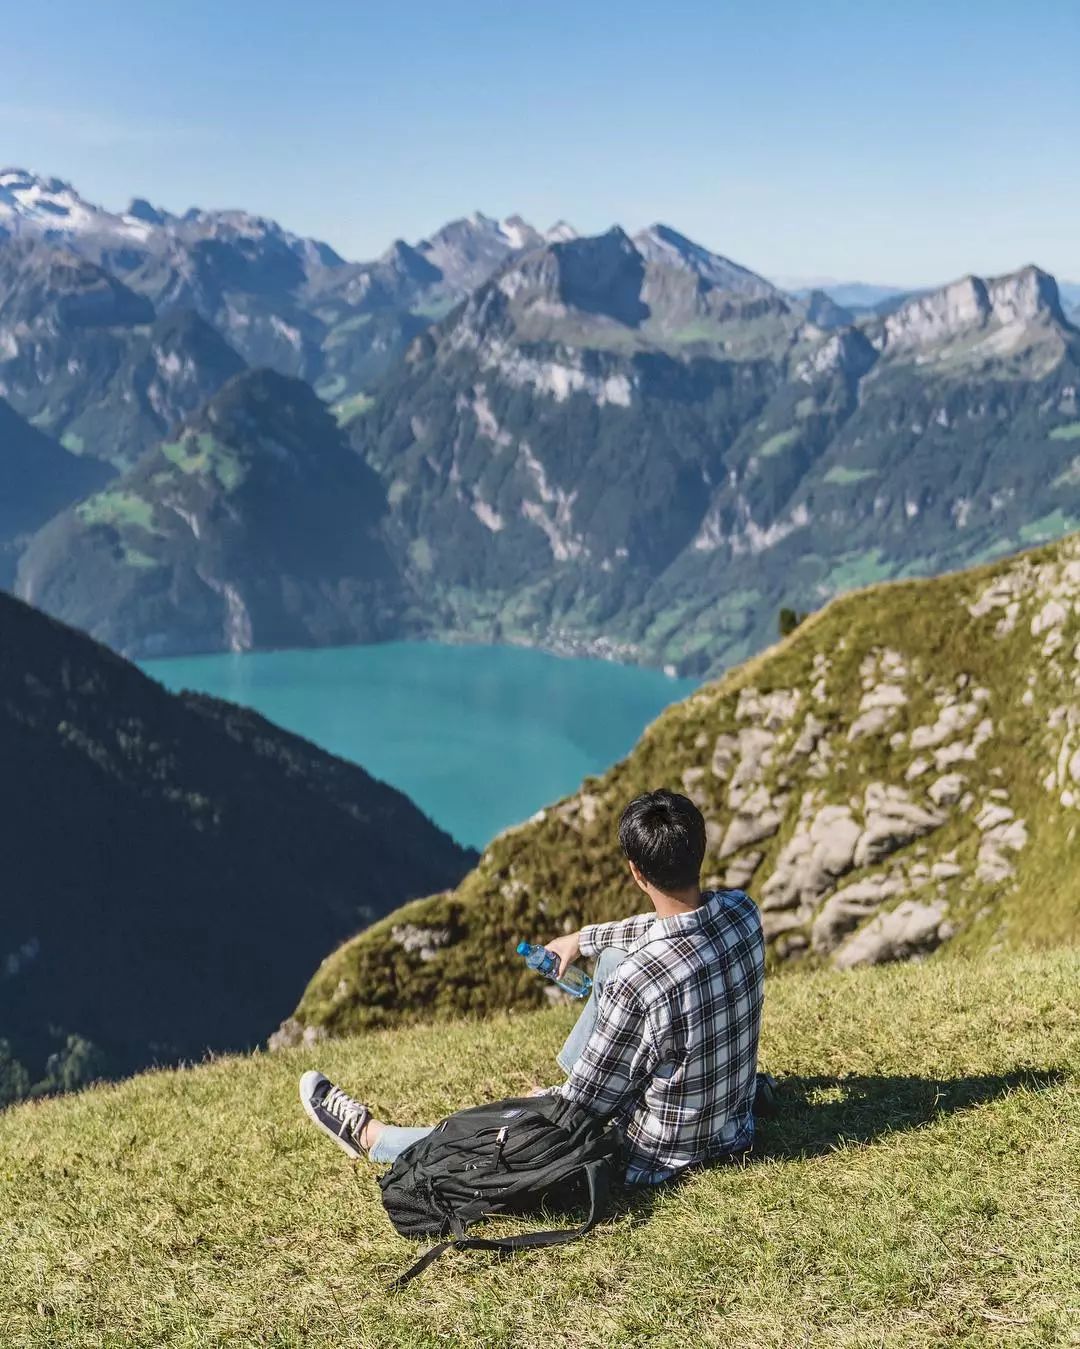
(523, 948)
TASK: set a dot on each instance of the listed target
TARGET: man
(667, 1041)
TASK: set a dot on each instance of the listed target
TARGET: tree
(788, 621)
(14, 1079)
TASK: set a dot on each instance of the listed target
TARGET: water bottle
(572, 980)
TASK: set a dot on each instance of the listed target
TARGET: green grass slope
(901, 775)
(919, 1189)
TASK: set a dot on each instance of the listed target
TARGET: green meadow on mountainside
(918, 1189)
(900, 777)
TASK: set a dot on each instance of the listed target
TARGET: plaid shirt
(673, 1053)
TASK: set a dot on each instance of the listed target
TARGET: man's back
(674, 1052)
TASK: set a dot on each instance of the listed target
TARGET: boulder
(741, 870)
(425, 941)
(911, 929)
(892, 821)
(820, 850)
(758, 818)
(844, 911)
(947, 790)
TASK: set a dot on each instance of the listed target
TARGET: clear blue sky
(903, 142)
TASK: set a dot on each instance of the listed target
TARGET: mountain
(858, 296)
(255, 526)
(38, 478)
(183, 856)
(902, 774)
(607, 451)
(279, 299)
(1070, 298)
(85, 358)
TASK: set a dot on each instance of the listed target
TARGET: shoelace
(343, 1107)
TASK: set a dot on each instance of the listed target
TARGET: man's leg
(607, 962)
(386, 1142)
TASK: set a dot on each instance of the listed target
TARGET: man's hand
(566, 948)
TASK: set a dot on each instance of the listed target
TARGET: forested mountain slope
(173, 865)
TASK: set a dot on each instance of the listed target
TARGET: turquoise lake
(479, 736)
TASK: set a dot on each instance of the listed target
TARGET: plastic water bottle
(572, 980)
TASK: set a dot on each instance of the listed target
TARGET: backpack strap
(599, 1190)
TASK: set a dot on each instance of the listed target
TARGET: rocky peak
(560, 233)
(602, 275)
(667, 247)
(141, 209)
(970, 304)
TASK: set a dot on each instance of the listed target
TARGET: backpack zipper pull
(500, 1141)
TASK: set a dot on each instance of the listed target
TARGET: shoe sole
(357, 1154)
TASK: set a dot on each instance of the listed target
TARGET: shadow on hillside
(818, 1115)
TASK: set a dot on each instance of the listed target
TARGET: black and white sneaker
(335, 1113)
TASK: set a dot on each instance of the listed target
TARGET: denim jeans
(394, 1139)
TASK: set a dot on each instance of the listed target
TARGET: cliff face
(900, 777)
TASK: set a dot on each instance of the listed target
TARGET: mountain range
(628, 446)
(184, 855)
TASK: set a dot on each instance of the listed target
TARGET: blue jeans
(395, 1139)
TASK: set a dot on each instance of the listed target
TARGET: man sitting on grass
(667, 1041)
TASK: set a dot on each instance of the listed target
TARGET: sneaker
(335, 1113)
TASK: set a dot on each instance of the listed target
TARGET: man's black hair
(663, 834)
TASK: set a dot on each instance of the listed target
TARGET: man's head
(662, 835)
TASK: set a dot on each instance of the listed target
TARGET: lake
(479, 736)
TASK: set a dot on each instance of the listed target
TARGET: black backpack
(510, 1156)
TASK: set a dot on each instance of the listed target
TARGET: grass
(1050, 526)
(776, 444)
(351, 408)
(118, 508)
(842, 476)
(206, 455)
(1070, 431)
(919, 1189)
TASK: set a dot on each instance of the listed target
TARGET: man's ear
(639, 880)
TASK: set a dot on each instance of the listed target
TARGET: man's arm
(618, 1057)
(593, 937)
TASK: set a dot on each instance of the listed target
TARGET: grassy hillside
(901, 774)
(919, 1189)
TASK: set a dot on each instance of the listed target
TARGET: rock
(755, 755)
(773, 924)
(945, 871)
(691, 781)
(292, 1033)
(992, 815)
(954, 753)
(811, 733)
(757, 818)
(952, 719)
(771, 710)
(1052, 615)
(947, 790)
(816, 854)
(741, 870)
(912, 928)
(871, 722)
(917, 768)
(991, 865)
(892, 820)
(724, 754)
(844, 911)
(426, 941)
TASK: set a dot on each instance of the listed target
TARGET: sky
(903, 144)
